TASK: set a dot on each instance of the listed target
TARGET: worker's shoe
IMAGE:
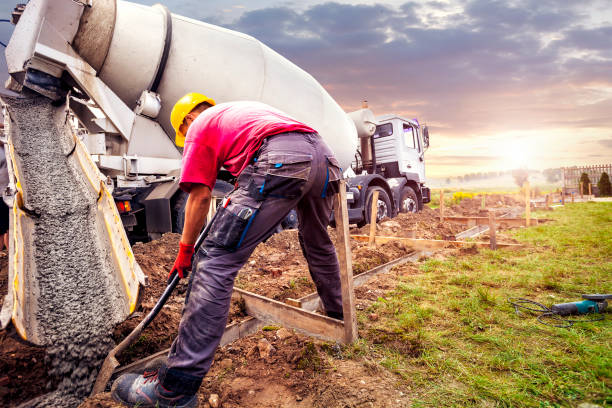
(146, 390)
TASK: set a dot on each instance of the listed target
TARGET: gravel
(78, 300)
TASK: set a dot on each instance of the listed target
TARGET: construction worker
(280, 164)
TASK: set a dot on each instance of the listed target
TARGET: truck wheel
(383, 205)
(178, 211)
(409, 202)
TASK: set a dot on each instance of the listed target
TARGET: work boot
(145, 390)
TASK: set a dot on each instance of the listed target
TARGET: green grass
(453, 340)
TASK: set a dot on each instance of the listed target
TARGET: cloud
(471, 68)
(606, 142)
(487, 68)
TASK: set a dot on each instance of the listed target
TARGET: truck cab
(390, 160)
(399, 148)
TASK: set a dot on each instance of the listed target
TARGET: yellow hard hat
(182, 109)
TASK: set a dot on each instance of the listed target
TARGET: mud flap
(124, 277)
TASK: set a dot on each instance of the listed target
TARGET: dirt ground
(500, 204)
(280, 368)
(299, 372)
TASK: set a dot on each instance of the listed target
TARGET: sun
(513, 154)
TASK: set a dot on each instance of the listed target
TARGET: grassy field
(452, 338)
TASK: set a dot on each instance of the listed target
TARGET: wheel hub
(409, 205)
(381, 210)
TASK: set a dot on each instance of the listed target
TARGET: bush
(460, 196)
(604, 185)
(584, 183)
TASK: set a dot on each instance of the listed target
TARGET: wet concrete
(75, 293)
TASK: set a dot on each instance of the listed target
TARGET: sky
(501, 84)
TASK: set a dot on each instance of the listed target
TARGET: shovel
(110, 362)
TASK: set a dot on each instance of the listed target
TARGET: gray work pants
(291, 170)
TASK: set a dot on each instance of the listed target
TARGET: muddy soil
(23, 370)
(424, 224)
(280, 368)
(276, 270)
(500, 204)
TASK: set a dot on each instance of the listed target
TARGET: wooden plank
(505, 222)
(492, 236)
(343, 250)
(432, 243)
(373, 216)
(311, 301)
(271, 311)
(233, 332)
(472, 232)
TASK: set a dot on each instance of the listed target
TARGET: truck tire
(384, 204)
(178, 211)
(409, 201)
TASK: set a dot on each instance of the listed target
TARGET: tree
(552, 175)
(603, 185)
(584, 183)
(520, 176)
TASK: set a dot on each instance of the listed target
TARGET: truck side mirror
(426, 136)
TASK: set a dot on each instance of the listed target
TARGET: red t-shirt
(228, 135)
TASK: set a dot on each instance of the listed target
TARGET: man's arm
(195, 215)
(196, 211)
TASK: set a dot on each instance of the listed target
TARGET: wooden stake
(346, 266)
(572, 196)
(548, 200)
(373, 214)
(527, 204)
(493, 238)
(590, 189)
(563, 197)
(441, 205)
(582, 189)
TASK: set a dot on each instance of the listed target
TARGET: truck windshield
(383, 130)
(410, 137)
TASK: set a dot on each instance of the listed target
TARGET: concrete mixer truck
(121, 66)
(117, 68)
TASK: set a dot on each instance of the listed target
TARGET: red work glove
(182, 265)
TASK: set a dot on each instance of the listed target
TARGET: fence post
(441, 205)
(581, 189)
(590, 189)
(527, 204)
(563, 196)
(343, 249)
(373, 215)
(492, 233)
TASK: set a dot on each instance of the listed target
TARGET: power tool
(593, 303)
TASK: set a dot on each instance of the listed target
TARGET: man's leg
(205, 314)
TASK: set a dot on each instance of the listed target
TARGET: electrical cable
(546, 313)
